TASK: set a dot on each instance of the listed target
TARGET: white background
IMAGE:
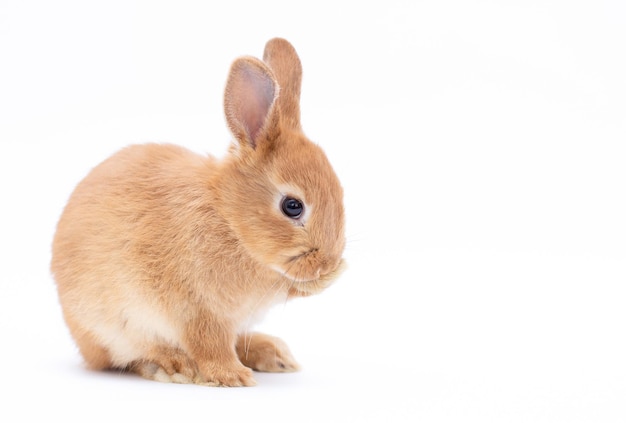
(482, 148)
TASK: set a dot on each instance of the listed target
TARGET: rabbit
(163, 258)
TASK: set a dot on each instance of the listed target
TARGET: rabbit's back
(119, 240)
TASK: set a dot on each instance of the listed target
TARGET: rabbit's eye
(292, 207)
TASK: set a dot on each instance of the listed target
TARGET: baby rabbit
(163, 257)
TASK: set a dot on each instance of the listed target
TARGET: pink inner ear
(256, 97)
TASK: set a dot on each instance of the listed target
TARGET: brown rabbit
(162, 257)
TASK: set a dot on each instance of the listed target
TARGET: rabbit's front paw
(265, 353)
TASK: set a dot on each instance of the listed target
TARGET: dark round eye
(292, 207)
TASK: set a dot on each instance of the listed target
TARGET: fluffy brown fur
(163, 258)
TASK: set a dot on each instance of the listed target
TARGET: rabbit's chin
(316, 284)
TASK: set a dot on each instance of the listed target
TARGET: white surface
(482, 147)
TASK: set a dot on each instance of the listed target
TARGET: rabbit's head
(276, 188)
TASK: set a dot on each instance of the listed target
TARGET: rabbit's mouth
(309, 265)
(314, 285)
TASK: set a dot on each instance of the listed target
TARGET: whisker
(292, 279)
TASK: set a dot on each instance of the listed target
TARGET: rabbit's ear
(249, 98)
(282, 58)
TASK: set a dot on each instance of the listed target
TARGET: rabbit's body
(164, 258)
